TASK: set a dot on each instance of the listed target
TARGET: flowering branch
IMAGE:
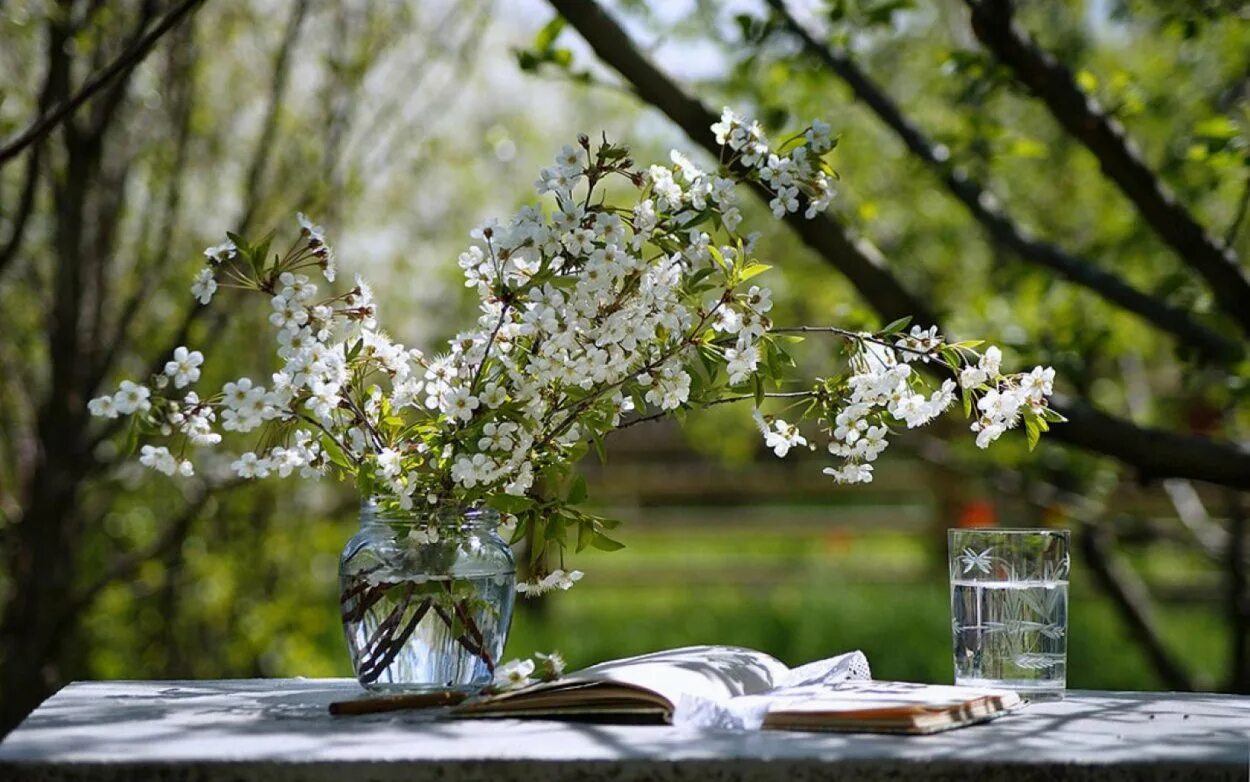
(590, 312)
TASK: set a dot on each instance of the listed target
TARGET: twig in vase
(397, 643)
(464, 640)
(463, 612)
(374, 646)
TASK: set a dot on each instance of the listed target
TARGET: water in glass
(1009, 609)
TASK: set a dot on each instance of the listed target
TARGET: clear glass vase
(426, 597)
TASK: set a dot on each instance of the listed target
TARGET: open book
(730, 687)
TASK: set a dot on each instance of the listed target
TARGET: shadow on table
(228, 720)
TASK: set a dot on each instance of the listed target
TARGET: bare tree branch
(150, 269)
(277, 94)
(105, 107)
(1082, 117)
(1238, 595)
(1234, 228)
(1155, 453)
(1133, 601)
(1129, 596)
(25, 206)
(984, 208)
(127, 565)
(124, 62)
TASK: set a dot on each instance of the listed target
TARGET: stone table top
(280, 729)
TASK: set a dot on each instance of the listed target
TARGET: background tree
(134, 133)
(1192, 293)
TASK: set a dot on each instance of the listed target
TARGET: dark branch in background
(124, 62)
(983, 206)
(277, 93)
(1103, 136)
(127, 565)
(25, 206)
(1132, 600)
(151, 267)
(105, 106)
(1243, 202)
(1155, 453)
(250, 198)
(1115, 577)
(858, 260)
(1238, 596)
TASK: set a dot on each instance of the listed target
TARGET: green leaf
(759, 389)
(548, 34)
(752, 270)
(896, 326)
(365, 483)
(132, 437)
(585, 535)
(967, 397)
(718, 257)
(597, 439)
(335, 453)
(555, 530)
(518, 534)
(1033, 430)
(578, 492)
(508, 503)
(604, 543)
(1054, 416)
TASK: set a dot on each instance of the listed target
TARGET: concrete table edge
(280, 729)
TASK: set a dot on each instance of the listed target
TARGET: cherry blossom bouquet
(595, 314)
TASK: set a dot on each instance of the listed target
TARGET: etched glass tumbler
(1009, 609)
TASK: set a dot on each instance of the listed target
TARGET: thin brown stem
(127, 60)
(722, 401)
(855, 335)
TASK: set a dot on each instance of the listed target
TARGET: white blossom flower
(1039, 384)
(390, 462)
(297, 287)
(220, 253)
(493, 395)
(920, 343)
(132, 398)
(740, 363)
(249, 465)
(781, 437)
(204, 286)
(185, 366)
(103, 406)
(161, 460)
(514, 674)
(423, 536)
(760, 299)
(459, 403)
(552, 664)
(287, 313)
(850, 473)
(556, 579)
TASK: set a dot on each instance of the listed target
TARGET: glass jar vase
(426, 597)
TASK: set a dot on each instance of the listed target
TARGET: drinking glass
(1009, 609)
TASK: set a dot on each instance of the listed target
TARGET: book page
(715, 673)
(869, 696)
(705, 673)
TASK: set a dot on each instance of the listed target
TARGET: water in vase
(433, 633)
